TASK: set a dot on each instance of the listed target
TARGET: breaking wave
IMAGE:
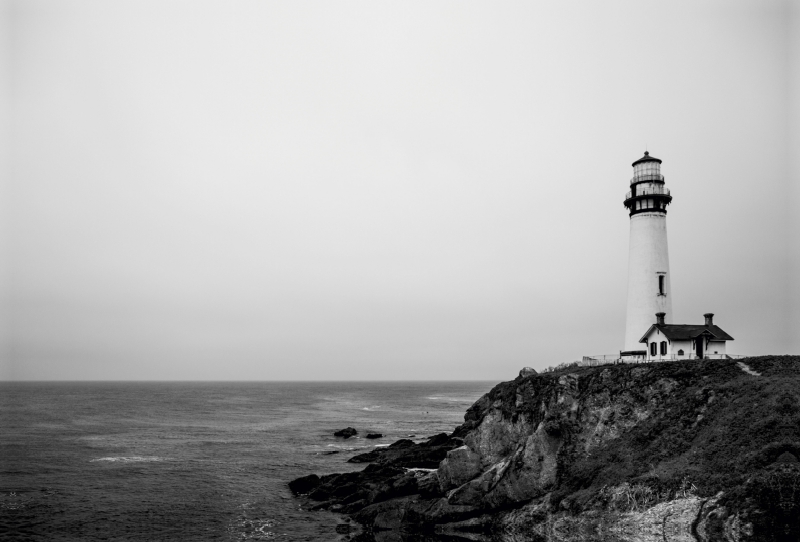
(128, 459)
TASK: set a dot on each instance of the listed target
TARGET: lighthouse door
(698, 347)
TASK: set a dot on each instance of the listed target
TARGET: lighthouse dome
(646, 158)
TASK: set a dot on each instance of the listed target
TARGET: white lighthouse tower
(649, 289)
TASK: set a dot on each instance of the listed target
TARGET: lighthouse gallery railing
(648, 191)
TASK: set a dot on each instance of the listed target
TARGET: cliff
(676, 451)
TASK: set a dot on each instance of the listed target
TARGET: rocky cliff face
(681, 451)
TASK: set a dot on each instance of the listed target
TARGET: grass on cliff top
(715, 430)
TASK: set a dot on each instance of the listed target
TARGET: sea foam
(128, 459)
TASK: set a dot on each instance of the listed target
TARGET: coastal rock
(405, 453)
(497, 436)
(385, 515)
(304, 484)
(346, 432)
(530, 472)
(374, 482)
(527, 371)
(673, 451)
(459, 466)
(429, 485)
(374, 435)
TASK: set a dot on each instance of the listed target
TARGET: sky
(384, 190)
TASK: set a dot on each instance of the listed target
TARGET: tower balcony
(651, 191)
(648, 200)
(647, 178)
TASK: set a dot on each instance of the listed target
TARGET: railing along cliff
(615, 359)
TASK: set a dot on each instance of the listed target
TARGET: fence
(615, 359)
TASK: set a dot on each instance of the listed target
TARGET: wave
(128, 459)
(451, 399)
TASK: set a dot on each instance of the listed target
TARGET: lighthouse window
(653, 349)
(649, 204)
(661, 285)
(638, 205)
(663, 348)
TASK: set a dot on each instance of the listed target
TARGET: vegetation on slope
(719, 429)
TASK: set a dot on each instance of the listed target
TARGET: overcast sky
(384, 190)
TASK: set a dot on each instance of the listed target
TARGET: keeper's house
(681, 341)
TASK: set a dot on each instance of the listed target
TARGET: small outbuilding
(682, 341)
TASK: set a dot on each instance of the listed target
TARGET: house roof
(646, 158)
(684, 332)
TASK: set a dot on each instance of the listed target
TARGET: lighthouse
(649, 289)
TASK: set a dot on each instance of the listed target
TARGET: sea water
(142, 461)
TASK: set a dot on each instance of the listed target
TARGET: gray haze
(392, 190)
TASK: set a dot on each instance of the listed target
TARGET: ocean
(147, 461)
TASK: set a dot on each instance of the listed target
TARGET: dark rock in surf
(374, 435)
(304, 484)
(346, 432)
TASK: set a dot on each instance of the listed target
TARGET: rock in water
(304, 484)
(346, 432)
(374, 435)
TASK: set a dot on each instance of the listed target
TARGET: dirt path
(744, 367)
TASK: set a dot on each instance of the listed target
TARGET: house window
(680, 352)
(661, 285)
(663, 348)
(653, 348)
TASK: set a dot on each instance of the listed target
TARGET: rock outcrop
(347, 432)
(678, 451)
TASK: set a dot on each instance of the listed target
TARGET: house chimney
(709, 318)
(660, 318)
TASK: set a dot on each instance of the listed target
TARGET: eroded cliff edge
(674, 451)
